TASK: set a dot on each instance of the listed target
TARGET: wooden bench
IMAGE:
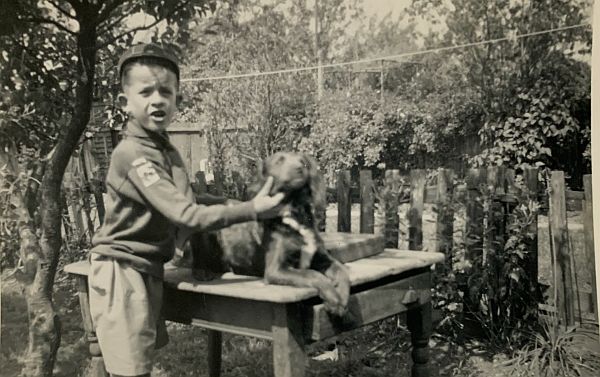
(385, 284)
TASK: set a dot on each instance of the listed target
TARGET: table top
(389, 262)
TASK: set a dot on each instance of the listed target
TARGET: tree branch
(106, 11)
(103, 29)
(41, 20)
(180, 6)
(61, 9)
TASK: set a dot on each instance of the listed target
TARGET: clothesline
(396, 56)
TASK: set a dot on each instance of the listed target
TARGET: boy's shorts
(125, 306)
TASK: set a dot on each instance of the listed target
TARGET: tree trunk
(44, 323)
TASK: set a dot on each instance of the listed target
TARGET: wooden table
(383, 285)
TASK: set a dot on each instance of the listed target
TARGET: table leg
(419, 324)
(96, 365)
(214, 353)
(288, 341)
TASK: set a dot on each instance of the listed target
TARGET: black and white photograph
(290, 188)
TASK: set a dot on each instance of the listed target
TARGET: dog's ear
(316, 183)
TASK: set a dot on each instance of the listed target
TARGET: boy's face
(150, 96)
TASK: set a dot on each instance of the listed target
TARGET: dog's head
(297, 175)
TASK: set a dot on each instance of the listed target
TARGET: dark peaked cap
(150, 50)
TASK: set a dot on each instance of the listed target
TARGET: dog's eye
(280, 160)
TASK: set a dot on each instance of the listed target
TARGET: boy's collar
(146, 136)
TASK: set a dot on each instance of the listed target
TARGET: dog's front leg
(277, 273)
(338, 273)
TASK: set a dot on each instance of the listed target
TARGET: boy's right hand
(266, 206)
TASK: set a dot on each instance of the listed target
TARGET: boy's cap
(148, 50)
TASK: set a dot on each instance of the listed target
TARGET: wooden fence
(439, 189)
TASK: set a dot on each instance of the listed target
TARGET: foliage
(531, 94)
(249, 118)
(486, 281)
(556, 351)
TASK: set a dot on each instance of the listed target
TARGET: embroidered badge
(145, 170)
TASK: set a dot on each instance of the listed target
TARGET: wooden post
(445, 214)
(288, 342)
(367, 202)
(95, 367)
(392, 220)
(415, 212)
(200, 182)
(214, 352)
(419, 323)
(588, 229)
(495, 216)
(321, 208)
(344, 202)
(474, 213)
(530, 178)
(561, 259)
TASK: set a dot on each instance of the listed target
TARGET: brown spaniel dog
(286, 250)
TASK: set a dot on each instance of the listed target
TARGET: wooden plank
(474, 213)
(494, 216)
(348, 247)
(221, 313)
(343, 199)
(415, 212)
(321, 209)
(84, 304)
(367, 202)
(588, 229)
(445, 212)
(392, 188)
(530, 180)
(389, 262)
(560, 246)
(372, 305)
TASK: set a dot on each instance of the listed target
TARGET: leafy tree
(257, 116)
(531, 94)
(53, 52)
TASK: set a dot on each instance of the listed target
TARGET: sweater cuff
(240, 213)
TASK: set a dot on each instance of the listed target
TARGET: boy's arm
(157, 187)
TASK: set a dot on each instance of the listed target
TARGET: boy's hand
(266, 206)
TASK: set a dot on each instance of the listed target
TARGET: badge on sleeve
(145, 170)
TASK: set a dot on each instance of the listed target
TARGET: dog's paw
(335, 309)
(334, 303)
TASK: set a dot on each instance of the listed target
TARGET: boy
(149, 202)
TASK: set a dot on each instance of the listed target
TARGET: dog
(286, 250)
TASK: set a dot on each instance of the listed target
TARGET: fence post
(588, 230)
(445, 213)
(560, 245)
(494, 236)
(321, 209)
(392, 220)
(474, 213)
(415, 212)
(530, 179)
(344, 202)
(200, 183)
(367, 202)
